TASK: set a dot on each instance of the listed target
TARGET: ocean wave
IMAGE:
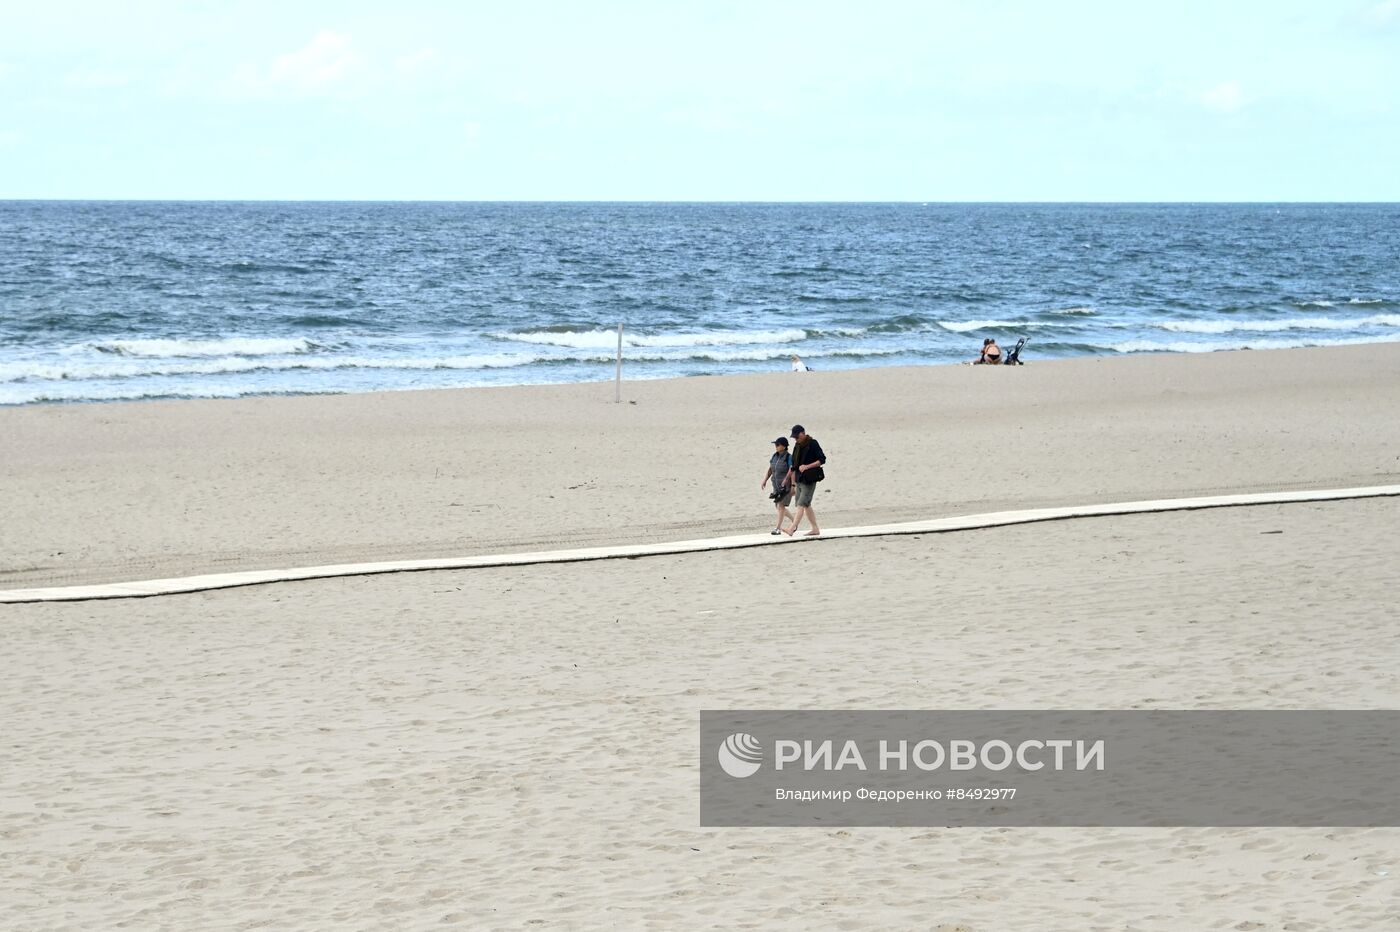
(51, 394)
(1074, 310)
(835, 299)
(72, 321)
(966, 326)
(77, 371)
(1268, 326)
(327, 320)
(1157, 346)
(905, 323)
(55, 394)
(66, 372)
(822, 269)
(243, 266)
(1334, 303)
(605, 339)
(227, 346)
(840, 332)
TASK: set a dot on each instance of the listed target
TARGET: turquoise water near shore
(129, 300)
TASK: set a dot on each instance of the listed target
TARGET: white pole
(617, 394)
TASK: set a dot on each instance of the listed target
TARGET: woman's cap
(781, 441)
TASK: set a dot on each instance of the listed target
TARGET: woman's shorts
(805, 490)
(784, 500)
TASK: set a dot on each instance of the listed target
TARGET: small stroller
(1013, 358)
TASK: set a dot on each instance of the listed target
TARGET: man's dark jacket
(808, 451)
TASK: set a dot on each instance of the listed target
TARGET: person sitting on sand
(991, 354)
(798, 365)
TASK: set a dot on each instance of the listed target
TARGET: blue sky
(995, 100)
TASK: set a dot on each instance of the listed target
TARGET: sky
(935, 100)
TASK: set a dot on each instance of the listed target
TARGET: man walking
(807, 462)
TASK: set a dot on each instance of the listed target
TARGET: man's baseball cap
(781, 441)
(797, 429)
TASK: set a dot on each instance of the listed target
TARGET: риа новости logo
(741, 755)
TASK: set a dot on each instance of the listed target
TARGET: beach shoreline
(136, 490)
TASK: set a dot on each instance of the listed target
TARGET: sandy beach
(505, 747)
(136, 491)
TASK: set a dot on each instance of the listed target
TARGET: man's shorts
(805, 490)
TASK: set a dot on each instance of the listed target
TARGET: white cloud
(417, 63)
(1384, 12)
(328, 59)
(326, 65)
(97, 79)
(1226, 97)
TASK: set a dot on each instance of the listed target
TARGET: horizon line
(915, 201)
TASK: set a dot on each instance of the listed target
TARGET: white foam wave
(26, 371)
(1076, 310)
(228, 346)
(16, 395)
(1366, 301)
(1269, 326)
(40, 371)
(966, 326)
(604, 339)
(1156, 346)
(1317, 304)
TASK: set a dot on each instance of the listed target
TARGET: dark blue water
(142, 300)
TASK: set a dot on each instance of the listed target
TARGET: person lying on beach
(779, 465)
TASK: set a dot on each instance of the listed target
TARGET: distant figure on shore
(807, 462)
(798, 365)
(991, 354)
(779, 466)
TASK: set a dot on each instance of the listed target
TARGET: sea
(102, 301)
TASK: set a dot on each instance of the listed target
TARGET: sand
(496, 748)
(110, 492)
